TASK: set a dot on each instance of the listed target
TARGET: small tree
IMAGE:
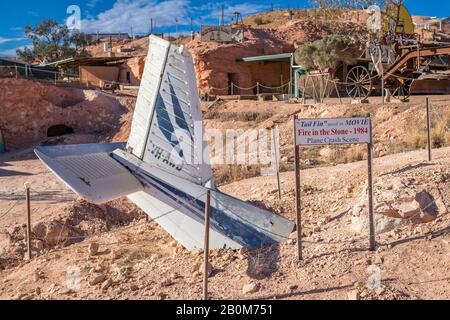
(327, 52)
(80, 41)
(51, 41)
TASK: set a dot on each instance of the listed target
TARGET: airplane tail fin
(167, 129)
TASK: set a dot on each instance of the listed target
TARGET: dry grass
(440, 134)
(343, 154)
(238, 116)
(226, 174)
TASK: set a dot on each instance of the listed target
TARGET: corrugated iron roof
(87, 61)
(272, 57)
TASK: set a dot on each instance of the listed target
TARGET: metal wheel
(403, 91)
(358, 83)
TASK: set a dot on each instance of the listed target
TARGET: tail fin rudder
(167, 129)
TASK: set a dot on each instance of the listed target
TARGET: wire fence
(255, 90)
(319, 86)
(33, 72)
(438, 114)
(51, 77)
(7, 211)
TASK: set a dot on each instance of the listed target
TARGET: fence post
(428, 129)
(298, 207)
(257, 88)
(206, 246)
(232, 89)
(27, 190)
(372, 240)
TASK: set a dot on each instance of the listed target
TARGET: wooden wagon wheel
(403, 91)
(358, 83)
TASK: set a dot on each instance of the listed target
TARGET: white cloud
(5, 40)
(93, 3)
(16, 29)
(136, 14)
(11, 52)
(126, 14)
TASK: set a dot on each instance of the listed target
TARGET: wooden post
(232, 89)
(428, 129)
(28, 235)
(257, 88)
(298, 194)
(337, 91)
(373, 244)
(206, 246)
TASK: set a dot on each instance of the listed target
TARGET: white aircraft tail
(165, 168)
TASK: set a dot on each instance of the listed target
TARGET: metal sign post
(298, 207)
(206, 247)
(335, 131)
(372, 239)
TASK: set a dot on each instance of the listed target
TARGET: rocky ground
(119, 255)
(84, 251)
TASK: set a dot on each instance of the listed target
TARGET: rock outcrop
(214, 62)
(29, 109)
(398, 201)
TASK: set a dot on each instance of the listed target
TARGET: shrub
(259, 21)
(327, 52)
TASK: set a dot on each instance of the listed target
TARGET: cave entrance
(59, 130)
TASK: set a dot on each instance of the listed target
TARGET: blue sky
(120, 15)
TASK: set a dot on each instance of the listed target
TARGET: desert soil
(140, 261)
(85, 251)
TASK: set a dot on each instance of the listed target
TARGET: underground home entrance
(59, 130)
